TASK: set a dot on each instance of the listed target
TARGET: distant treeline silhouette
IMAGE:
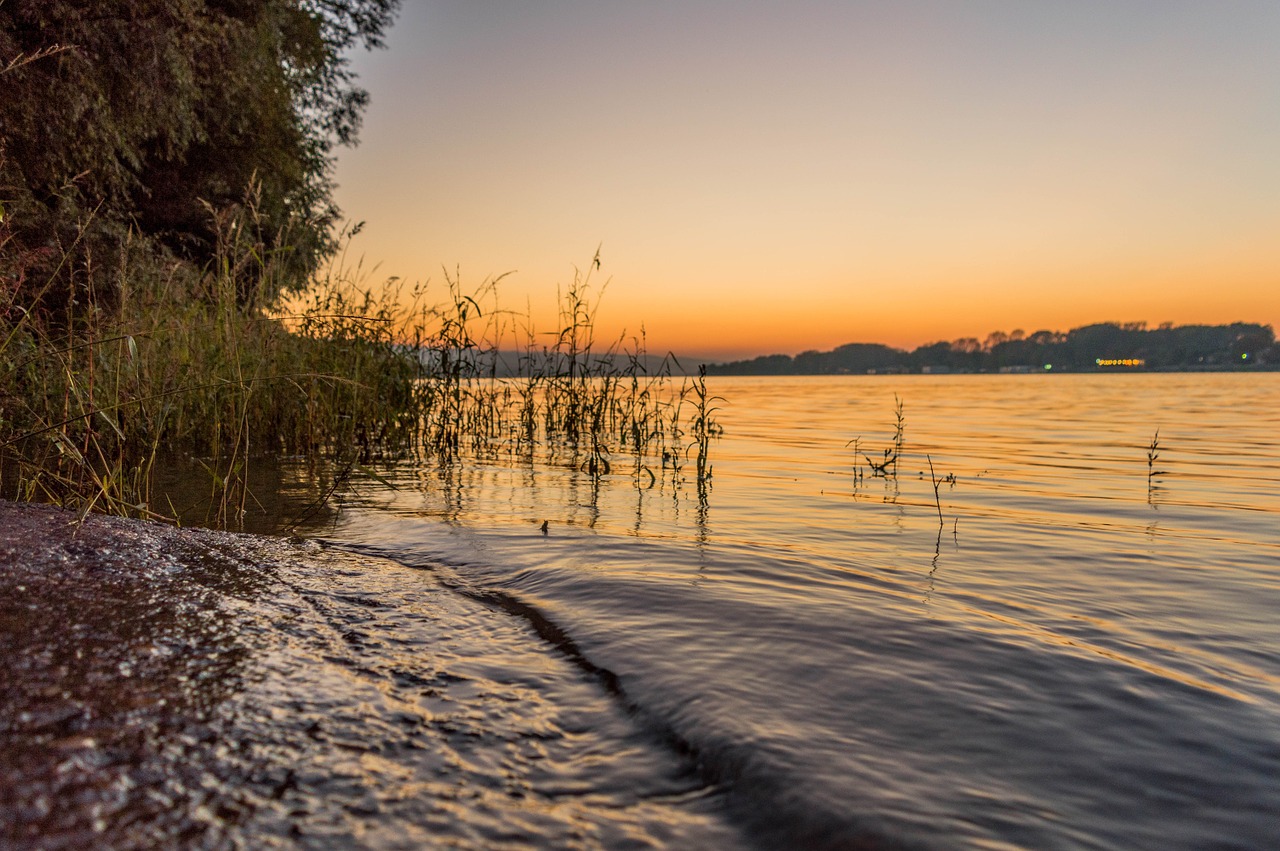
(1106, 346)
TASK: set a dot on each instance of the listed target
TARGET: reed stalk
(937, 497)
(204, 367)
(887, 466)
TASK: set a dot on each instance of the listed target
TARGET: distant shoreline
(1100, 348)
(1244, 370)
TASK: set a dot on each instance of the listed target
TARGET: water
(1074, 655)
(194, 689)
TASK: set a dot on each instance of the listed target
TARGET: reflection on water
(283, 494)
(1052, 649)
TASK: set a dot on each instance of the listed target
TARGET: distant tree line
(1105, 346)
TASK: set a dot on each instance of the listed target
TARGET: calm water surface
(1074, 655)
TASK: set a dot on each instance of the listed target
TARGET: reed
(704, 424)
(937, 497)
(188, 368)
(201, 368)
(573, 402)
(1153, 455)
(887, 466)
(858, 475)
(898, 427)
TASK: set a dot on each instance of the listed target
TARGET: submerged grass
(1153, 455)
(202, 370)
(887, 466)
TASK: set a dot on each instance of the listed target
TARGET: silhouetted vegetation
(172, 297)
(131, 133)
(1092, 348)
(343, 374)
(887, 466)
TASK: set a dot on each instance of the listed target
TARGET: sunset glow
(778, 177)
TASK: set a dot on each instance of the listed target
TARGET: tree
(935, 355)
(157, 116)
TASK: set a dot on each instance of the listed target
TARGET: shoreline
(183, 687)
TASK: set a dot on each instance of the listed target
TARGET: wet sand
(187, 688)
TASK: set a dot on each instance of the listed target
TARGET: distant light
(1244, 356)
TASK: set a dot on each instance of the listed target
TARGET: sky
(765, 177)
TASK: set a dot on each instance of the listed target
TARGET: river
(1052, 626)
(1067, 644)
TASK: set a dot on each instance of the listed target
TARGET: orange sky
(769, 177)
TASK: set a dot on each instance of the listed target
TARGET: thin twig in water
(936, 497)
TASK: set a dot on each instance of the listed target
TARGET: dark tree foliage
(156, 115)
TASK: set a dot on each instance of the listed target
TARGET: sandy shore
(187, 688)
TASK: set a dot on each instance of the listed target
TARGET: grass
(887, 466)
(202, 369)
(1153, 455)
(185, 365)
(937, 497)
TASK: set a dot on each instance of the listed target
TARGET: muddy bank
(167, 688)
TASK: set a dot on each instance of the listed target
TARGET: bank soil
(186, 688)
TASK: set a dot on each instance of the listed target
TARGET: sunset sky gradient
(772, 177)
